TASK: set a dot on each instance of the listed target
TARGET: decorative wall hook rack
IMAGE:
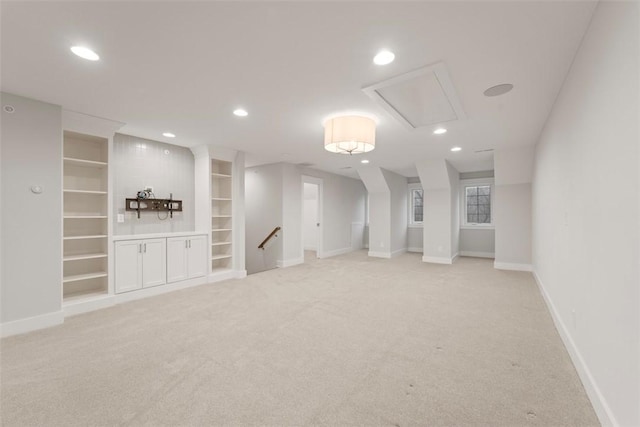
(154, 205)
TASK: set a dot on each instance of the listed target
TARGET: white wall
(139, 162)
(310, 214)
(414, 239)
(586, 213)
(454, 185)
(274, 197)
(399, 214)
(263, 212)
(440, 229)
(477, 242)
(512, 207)
(31, 224)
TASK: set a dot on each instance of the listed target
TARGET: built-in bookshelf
(85, 216)
(221, 215)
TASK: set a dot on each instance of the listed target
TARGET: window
(477, 204)
(416, 205)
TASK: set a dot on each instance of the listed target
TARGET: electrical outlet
(120, 218)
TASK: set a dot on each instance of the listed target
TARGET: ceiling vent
(420, 98)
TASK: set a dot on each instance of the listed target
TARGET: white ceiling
(184, 67)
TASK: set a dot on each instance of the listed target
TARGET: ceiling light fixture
(169, 135)
(439, 131)
(384, 57)
(240, 112)
(454, 149)
(85, 52)
(365, 161)
(498, 89)
(350, 134)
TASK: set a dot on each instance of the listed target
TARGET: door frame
(320, 183)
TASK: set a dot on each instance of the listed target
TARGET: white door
(177, 253)
(128, 260)
(154, 262)
(197, 258)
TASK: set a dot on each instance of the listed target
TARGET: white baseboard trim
(512, 266)
(600, 405)
(289, 262)
(240, 274)
(30, 324)
(219, 276)
(398, 252)
(85, 306)
(310, 248)
(476, 254)
(439, 260)
(415, 250)
(335, 252)
(379, 254)
(163, 289)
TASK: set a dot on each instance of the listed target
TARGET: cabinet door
(197, 256)
(127, 265)
(177, 250)
(154, 262)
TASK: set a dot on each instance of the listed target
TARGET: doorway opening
(311, 218)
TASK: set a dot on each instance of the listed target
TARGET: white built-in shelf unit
(85, 231)
(221, 215)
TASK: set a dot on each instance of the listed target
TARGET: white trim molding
(335, 252)
(475, 254)
(419, 250)
(398, 252)
(30, 324)
(284, 263)
(379, 254)
(438, 260)
(512, 266)
(599, 403)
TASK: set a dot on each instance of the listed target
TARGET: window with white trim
(477, 200)
(416, 205)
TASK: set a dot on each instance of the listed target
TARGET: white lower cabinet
(140, 264)
(186, 257)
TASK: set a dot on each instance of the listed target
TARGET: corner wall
(31, 224)
(586, 210)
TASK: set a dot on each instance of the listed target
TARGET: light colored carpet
(349, 340)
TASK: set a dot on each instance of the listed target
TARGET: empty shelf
(220, 229)
(220, 243)
(84, 295)
(221, 216)
(84, 191)
(221, 198)
(94, 236)
(214, 257)
(84, 216)
(84, 276)
(220, 175)
(84, 256)
(82, 162)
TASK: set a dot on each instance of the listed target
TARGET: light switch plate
(120, 217)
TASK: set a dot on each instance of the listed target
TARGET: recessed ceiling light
(439, 131)
(498, 89)
(169, 135)
(84, 52)
(365, 161)
(456, 149)
(240, 112)
(384, 57)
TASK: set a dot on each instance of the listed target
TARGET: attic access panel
(420, 98)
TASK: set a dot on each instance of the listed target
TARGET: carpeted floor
(349, 340)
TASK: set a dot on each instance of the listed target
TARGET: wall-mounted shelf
(94, 236)
(220, 243)
(84, 216)
(220, 175)
(84, 192)
(221, 199)
(218, 257)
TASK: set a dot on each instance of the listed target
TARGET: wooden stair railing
(273, 233)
